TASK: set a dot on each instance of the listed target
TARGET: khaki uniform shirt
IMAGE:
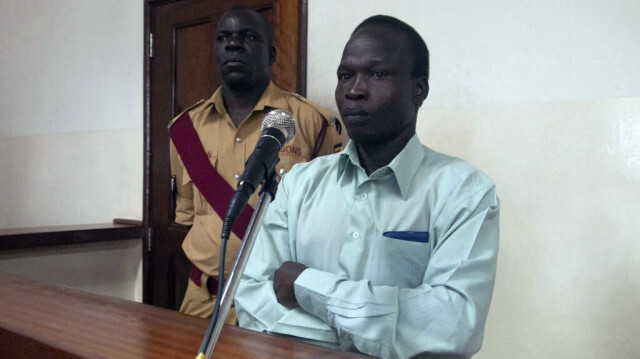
(228, 148)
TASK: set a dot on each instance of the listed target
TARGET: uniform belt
(196, 275)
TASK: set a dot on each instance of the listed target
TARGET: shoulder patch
(323, 111)
(187, 109)
(338, 125)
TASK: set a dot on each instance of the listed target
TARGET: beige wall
(544, 96)
(71, 135)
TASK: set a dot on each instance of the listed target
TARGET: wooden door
(179, 71)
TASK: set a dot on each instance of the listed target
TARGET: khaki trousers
(198, 302)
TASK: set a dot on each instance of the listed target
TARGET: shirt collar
(271, 98)
(348, 157)
(404, 166)
(406, 163)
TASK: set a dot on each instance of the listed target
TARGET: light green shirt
(401, 262)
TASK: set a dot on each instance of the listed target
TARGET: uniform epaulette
(187, 109)
(328, 116)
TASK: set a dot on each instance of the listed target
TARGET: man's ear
(272, 55)
(421, 90)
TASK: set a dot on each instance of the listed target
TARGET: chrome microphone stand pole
(267, 194)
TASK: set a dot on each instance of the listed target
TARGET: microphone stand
(224, 301)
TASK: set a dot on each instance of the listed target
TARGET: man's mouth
(353, 113)
(233, 63)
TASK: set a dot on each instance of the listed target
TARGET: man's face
(242, 51)
(375, 92)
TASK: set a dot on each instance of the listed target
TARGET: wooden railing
(41, 320)
(32, 237)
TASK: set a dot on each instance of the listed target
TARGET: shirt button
(363, 196)
(239, 139)
(237, 176)
(346, 337)
(355, 235)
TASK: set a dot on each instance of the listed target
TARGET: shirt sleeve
(319, 128)
(256, 304)
(445, 315)
(184, 198)
(331, 143)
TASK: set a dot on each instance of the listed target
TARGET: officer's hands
(283, 279)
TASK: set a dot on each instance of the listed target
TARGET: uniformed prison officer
(228, 125)
(388, 248)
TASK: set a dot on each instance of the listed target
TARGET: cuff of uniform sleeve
(312, 288)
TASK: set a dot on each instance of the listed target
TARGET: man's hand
(283, 279)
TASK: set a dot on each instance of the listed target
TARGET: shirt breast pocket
(213, 159)
(406, 254)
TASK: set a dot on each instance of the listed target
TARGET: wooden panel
(286, 41)
(39, 320)
(193, 57)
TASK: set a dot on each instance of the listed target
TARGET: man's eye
(344, 76)
(249, 37)
(379, 74)
(221, 37)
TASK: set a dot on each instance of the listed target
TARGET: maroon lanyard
(212, 186)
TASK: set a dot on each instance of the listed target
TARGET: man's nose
(234, 42)
(357, 89)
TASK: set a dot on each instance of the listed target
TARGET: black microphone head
(282, 120)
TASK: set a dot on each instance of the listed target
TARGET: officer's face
(241, 49)
(375, 92)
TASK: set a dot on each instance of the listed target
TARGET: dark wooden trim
(146, 206)
(33, 237)
(302, 43)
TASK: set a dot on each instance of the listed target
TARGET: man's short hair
(416, 43)
(265, 23)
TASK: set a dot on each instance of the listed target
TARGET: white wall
(544, 96)
(106, 268)
(71, 84)
(71, 107)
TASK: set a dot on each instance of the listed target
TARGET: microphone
(278, 127)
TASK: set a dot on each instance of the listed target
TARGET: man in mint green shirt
(388, 248)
